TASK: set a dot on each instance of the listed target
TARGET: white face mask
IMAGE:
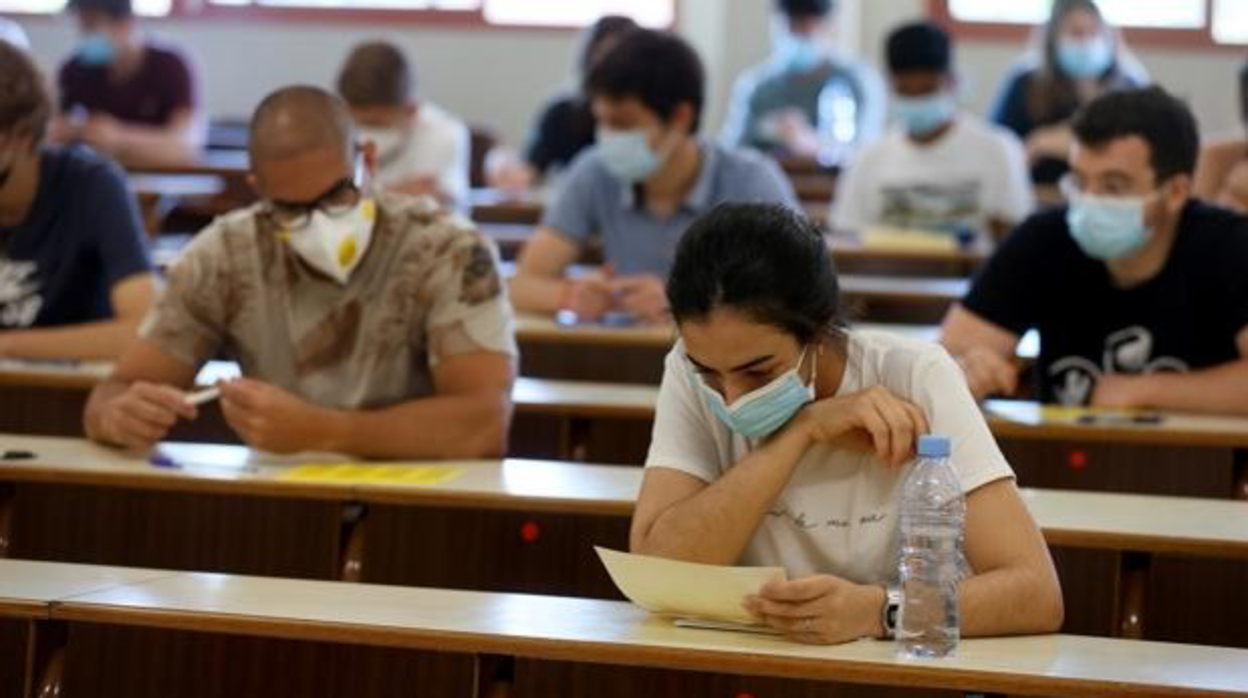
(334, 245)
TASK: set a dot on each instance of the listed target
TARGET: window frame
(473, 20)
(1137, 37)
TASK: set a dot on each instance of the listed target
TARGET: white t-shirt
(438, 145)
(975, 172)
(838, 514)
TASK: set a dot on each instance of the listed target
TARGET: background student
(942, 169)
(421, 149)
(125, 94)
(75, 279)
(647, 178)
(366, 323)
(1081, 57)
(1137, 290)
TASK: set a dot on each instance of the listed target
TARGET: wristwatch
(892, 605)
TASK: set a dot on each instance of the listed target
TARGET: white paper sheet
(684, 589)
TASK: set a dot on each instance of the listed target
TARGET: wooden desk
(1190, 455)
(494, 206)
(636, 354)
(48, 397)
(223, 162)
(158, 194)
(852, 257)
(230, 167)
(1183, 455)
(558, 642)
(27, 591)
(900, 299)
(80, 502)
(871, 298)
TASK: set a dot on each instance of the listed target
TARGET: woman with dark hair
(1081, 58)
(783, 437)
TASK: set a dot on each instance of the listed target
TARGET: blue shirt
(83, 234)
(592, 204)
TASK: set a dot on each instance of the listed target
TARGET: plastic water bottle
(837, 124)
(933, 525)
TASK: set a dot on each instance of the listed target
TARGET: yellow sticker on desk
(1061, 413)
(373, 474)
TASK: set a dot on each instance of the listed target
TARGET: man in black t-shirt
(75, 279)
(1139, 293)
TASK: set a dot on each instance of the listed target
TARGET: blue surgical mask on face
(1085, 59)
(96, 50)
(1108, 228)
(797, 53)
(764, 411)
(627, 154)
(920, 115)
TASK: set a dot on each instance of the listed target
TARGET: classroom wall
(501, 77)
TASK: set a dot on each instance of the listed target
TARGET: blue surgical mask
(627, 154)
(1085, 59)
(920, 115)
(96, 50)
(1108, 228)
(763, 412)
(796, 53)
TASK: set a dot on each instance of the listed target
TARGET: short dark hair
(805, 8)
(376, 74)
(116, 9)
(25, 104)
(763, 260)
(919, 46)
(658, 68)
(1151, 113)
(596, 35)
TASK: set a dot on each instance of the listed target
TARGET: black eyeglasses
(338, 200)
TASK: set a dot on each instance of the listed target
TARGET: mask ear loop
(814, 371)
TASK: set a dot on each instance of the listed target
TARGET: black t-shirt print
(1186, 318)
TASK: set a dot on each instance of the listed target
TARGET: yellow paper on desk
(393, 474)
(685, 589)
(907, 240)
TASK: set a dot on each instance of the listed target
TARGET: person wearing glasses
(366, 323)
(1138, 290)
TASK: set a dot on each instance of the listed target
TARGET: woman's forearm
(715, 525)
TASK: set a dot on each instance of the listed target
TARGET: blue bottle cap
(932, 446)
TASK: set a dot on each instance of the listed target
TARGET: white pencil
(203, 396)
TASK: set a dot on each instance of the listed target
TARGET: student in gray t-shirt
(639, 188)
(805, 101)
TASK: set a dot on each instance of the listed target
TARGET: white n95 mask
(335, 244)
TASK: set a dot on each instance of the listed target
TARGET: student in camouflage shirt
(368, 324)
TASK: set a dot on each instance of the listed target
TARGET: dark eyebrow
(1116, 176)
(743, 367)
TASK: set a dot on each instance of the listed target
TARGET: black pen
(16, 455)
(1111, 419)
